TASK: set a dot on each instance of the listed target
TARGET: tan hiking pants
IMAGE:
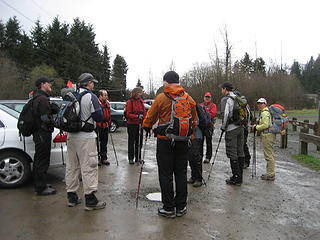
(268, 141)
(82, 161)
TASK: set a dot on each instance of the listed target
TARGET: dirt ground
(288, 208)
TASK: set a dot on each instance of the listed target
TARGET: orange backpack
(180, 125)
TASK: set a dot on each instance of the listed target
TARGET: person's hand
(148, 131)
(222, 129)
(253, 128)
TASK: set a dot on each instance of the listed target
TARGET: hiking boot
(181, 212)
(105, 162)
(245, 165)
(207, 160)
(73, 199)
(268, 178)
(47, 191)
(165, 213)
(131, 161)
(197, 183)
(233, 181)
(92, 203)
(191, 180)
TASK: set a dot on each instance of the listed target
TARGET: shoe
(131, 161)
(245, 165)
(207, 160)
(268, 178)
(165, 213)
(73, 199)
(197, 183)
(92, 203)
(191, 180)
(105, 162)
(232, 181)
(181, 212)
(47, 191)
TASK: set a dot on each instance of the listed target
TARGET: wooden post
(304, 145)
(318, 123)
(284, 139)
(294, 124)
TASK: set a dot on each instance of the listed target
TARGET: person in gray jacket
(234, 134)
(82, 149)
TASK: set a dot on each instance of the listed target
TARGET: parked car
(16, 152)
(117, 120)
(149, 101)
(119, 106)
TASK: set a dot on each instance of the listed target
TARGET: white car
(16, 152)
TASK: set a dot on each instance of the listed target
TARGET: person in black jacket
(42, 136)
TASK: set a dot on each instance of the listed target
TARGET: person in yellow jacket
(268, 139)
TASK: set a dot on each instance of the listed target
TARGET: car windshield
(10, 111)
(15, 106)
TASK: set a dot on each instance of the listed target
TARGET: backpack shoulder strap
(168, 95)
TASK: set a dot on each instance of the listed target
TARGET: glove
(148, 131)
(140, 116)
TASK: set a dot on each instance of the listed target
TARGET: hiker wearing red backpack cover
(211, 109)
(268, 138)
(172, 156)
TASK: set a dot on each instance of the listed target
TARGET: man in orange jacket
(172, 157)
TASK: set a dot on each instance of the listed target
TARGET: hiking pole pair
(215, 155)
(61, 147)
(254, 157)
(114, 149)
(142, 161)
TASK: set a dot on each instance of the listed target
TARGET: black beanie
(171, 77)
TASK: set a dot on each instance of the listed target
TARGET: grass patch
(308, 161)
(304, 114)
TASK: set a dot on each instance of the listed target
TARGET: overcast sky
(151, 34)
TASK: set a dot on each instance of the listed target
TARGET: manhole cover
(154, 196)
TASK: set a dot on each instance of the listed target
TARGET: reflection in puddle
(154, 196)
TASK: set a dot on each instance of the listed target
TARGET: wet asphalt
(288, 208)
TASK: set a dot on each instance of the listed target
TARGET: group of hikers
(174, 118)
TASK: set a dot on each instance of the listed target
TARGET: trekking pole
(114, 149)
(215, 155)
(61, 147)
(254, 157)
(98, 145)
(139, 138)
(144, 151)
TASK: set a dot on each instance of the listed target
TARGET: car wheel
(14, 169)
(113, 126)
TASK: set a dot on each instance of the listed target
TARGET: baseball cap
(43, 80)
(262, 100)
(86, 77)
(227, 85)
(207, 94)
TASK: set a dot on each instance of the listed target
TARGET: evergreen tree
(296, 69)
(259, 66)
(12, 37)
(2, 35)
(139, 83)
(24, 54)
(38, 37)
(119, 77)
(246, 64)
(106, 69)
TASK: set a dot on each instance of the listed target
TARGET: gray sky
(151, 34)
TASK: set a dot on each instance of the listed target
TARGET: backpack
(240, 115)
(68, 117)
(279, 119)
(204, 117)
(27, 121)
(180, 127)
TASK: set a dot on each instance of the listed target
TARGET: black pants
(195, 159)
(207, 135)
(172, 160)
(41, 161)
(133, 141)
(103, 134)
(247, 155)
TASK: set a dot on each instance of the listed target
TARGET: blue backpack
(68, 117)
(204, 117)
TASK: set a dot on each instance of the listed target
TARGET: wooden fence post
(294, 124)
(304, 145)
(284, 139)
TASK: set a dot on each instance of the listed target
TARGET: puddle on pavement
(145, 173)
(154, 196)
